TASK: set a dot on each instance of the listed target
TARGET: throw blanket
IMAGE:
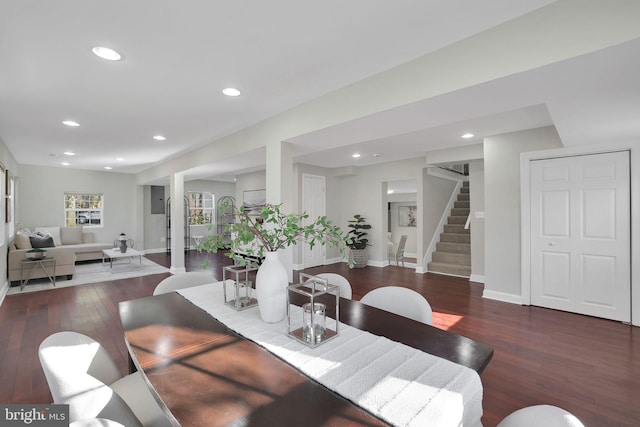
(397, 383)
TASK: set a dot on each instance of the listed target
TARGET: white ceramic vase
(271, 289)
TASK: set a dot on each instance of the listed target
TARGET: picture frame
(407, 216)
(254, 200)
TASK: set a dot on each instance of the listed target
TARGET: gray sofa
(72, 244)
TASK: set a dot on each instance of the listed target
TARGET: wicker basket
(359, 257)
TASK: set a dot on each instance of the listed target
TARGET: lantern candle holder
(315, 294)
(242, 296)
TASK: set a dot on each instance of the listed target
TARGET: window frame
(89, 223)
(199, 204)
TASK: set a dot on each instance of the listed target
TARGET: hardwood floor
(586, 365)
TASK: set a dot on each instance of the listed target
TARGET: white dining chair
(183, 280)
(402, 301)
(80, 373)
(339, 281)
(541, 415)
(399, 252)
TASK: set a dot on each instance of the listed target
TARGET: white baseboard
(502, 296)
(155, 251)
(476, 278)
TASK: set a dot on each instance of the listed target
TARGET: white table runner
(401, 385)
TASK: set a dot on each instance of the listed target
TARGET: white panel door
(313, 203)
(580, 235)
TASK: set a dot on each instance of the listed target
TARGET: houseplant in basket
(357, 241)
(261, 236)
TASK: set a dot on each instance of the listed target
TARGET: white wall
(476, 197)
(42, 199)
(7, 160)
(249, 182)
(502, 207)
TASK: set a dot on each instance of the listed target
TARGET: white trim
(502, 296)
(476, 278)
(525, 212)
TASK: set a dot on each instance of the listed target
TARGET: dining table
(210, 365)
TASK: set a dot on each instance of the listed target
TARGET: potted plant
(357, 242)
(36, 253)
(261, 236)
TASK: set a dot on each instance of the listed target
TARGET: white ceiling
(179, 55)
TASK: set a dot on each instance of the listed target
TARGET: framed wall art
(254, 200)
(407, 216)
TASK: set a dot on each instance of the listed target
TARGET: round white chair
(80, 373)
(183, 280)
(541, 415)
(402, 301)
(339, 281)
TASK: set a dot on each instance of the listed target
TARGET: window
(83, 209)
(201, 207)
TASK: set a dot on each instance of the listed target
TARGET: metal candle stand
(314, 330)
(242, 295)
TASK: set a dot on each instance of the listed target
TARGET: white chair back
(183, 280)
(78, 370)
(339, 281)
(402, 301)
(541, 415)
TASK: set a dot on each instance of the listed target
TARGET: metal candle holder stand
(242, 298)
(312, 287)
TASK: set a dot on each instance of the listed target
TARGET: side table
(31, 264)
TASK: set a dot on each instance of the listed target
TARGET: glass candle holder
(314, 322)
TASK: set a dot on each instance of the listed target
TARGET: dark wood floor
(588, 366)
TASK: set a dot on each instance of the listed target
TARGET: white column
(279, 179)
(176, 191)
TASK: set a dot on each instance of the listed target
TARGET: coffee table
(115, 253)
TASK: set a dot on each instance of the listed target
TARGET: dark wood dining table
(204, 374)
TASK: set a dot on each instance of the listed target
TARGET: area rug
(92, 272)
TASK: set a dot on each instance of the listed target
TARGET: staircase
(453, 251)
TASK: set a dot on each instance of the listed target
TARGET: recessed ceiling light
(159, 138)
(389, 191)
(65, 164)
(69, 153)
(231, 91)
(467, 135)
(355, 155)
(108, 168)
(120, 159)
(106, 53)
(71, 123)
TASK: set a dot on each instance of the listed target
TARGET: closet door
(580, 235)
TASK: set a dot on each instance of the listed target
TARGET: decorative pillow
(22, 240)
(53, 232)
(40, 240)
(71, 235)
